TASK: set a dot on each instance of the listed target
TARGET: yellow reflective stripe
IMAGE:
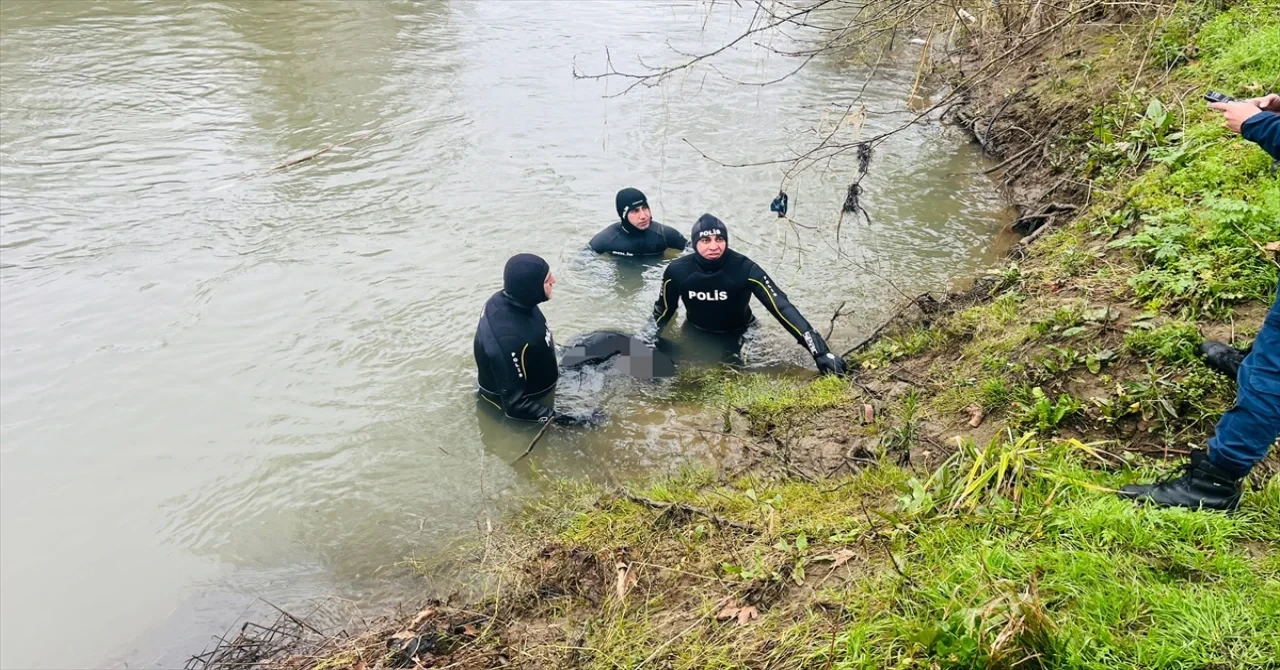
(523, 368)
(486, 399)
(665, 305)
(775, 307)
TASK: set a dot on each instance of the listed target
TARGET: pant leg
(1249, 429)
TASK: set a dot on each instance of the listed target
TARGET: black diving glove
(827, 362)
(830, 364)
(587, 418)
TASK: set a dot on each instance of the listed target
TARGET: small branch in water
(545, 425)
(306, 157)
(831, 328)
(318, 152)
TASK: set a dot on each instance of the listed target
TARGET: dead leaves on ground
(743, 613)
(976, 416)
(837, 559)
(422, 617)
(626, 576)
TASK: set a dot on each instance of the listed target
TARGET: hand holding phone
(1234, 112)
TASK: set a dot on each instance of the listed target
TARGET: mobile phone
(1214, 96)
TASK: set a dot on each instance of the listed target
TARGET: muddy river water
(222, 383)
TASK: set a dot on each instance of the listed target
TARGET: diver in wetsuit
(636, 233)
(515, 353)
(716, 285)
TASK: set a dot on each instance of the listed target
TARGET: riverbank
(950, 505)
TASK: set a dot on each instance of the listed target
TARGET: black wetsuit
(717, 296)
(624, 239)
(515, 353)
(515, 357)
(719, 301)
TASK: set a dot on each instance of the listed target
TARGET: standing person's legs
(1249, 429)
(1241, 439)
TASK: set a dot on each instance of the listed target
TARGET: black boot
(1223, 358)
(1196, 484)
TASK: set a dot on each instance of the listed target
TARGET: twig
(984, 142)
(1049, 212)
(832, 327)
(293, 618)
(318, 152)
(658, 504)
(656, 75)
(664, 645)
(545, 425)
(1011, 159)
(875, 333)
(892, 559)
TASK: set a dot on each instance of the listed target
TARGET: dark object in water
(779, 204)
(852, 202)
(634, 357)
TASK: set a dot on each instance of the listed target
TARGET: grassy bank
(950, 506)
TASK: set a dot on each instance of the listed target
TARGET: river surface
(223, 383)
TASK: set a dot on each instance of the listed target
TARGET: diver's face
(548, 283)
(640, 217)
(711, 247)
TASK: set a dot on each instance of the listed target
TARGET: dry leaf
(730, 611)
(422, 616)
(359, 665)
(868, 414)
(626, 579)
(469, 630)
(975, 416)
(1273, 247)
(839, 558)
(404, 635)
(734, 611)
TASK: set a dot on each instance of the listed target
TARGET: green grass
(1182, 205)
(767, 403)
(1199, 201)
(1010, 555)
(1170, 343)
(897, 346)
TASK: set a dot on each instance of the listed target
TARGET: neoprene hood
(627, 200)
(709, 226)
(522, 279)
